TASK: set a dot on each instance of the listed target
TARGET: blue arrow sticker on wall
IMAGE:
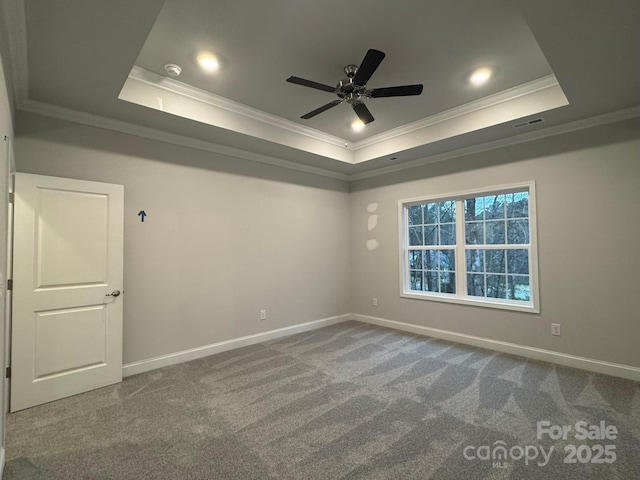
(142, 214)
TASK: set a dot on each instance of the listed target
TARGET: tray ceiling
(573, 63)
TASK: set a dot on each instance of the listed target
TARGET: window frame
(460, 247)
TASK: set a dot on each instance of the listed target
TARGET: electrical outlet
(263, 314)
(374, 301)
(555, 329)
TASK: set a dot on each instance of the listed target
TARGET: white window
(471, 247)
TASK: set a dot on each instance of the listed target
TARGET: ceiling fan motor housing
(349, 91)
(353, 88)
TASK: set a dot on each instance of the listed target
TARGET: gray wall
(223, 239)
(588, 195)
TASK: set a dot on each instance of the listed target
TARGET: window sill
(485, 303)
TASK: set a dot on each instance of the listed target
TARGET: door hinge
(10, 284)
(12, 197)
(8, 372)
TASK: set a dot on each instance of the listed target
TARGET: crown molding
(15, 26)
(169, 84)
(147, 88)
(518, 91)
(595, 121)
(203, 96)
(61, 113)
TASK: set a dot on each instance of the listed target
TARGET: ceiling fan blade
(311, 83)
(363, 112)
(321, 109)
(369, 65)
(401, 91)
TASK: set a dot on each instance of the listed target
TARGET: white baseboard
(206, 350)
(615, 369)
(584, 363)
(1, 462)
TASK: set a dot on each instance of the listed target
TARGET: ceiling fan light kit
(353, 89)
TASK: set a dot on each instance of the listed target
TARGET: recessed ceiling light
(208, 62)
(480, 76)
(357, 125)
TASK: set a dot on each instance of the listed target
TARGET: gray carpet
(350, 401)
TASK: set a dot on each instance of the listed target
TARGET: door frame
(116, 229)
(6, 361)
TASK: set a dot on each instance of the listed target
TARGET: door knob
(115, 293)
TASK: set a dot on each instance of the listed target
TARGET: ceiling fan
(354, 88)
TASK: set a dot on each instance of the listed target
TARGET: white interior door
(67, 277)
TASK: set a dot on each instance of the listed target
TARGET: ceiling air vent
(528, 122)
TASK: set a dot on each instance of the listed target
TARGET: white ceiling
(81, 53)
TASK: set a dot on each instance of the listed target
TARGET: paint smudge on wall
(372, 222)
